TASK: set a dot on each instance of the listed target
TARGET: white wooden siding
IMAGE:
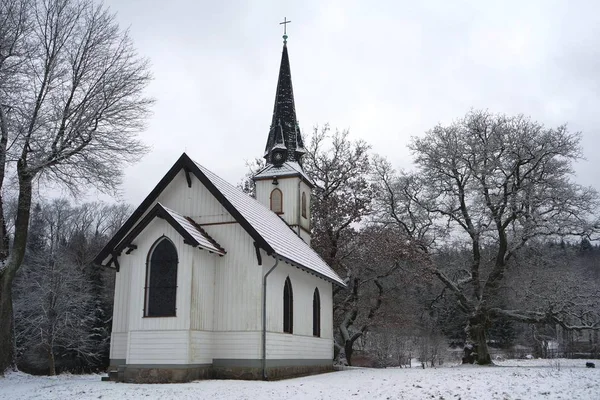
(305, 222)
(122, 295)
(203, 290)
(118, 345)
(237, 345)
(238, 282)
(201, 347)
(159, 347)
(286, 346)
(303, 287)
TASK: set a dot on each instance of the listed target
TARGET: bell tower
(282, 184)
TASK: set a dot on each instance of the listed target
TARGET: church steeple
(284, 142)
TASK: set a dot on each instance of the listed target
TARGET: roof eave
(311, 271)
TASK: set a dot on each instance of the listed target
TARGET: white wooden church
(212, 283)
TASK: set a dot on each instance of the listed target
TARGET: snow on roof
(203, 239)
(273, 229)
(288, 168)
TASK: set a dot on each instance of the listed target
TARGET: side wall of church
(301, 344)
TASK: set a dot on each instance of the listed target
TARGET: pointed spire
(284, 135)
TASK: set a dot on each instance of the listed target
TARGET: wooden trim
(206, 235)
(188, 178)
(131, 248)
(258, 255)
(160, 212)
(280, 177)
(115, 260)
(301, 227)
(218, 223)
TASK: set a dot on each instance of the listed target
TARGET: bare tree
(382, 275)
(63, 301)
(498, 184)
(71, 103)
(55, 311)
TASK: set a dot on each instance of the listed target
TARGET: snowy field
(522, 379)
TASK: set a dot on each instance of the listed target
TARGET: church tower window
(161, 280)
(277, 201)
(288, 307)
(304, 211)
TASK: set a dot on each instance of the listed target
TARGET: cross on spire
(284, 23)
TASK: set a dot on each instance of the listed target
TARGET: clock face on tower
(278, 158)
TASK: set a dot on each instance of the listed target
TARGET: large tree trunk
(51, 361)
(10, 269)
(348, 350)
(6, 322)
(476, 349)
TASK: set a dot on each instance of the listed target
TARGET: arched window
(304, 212)
(288, 307)
(316, 313)
(161, 280)
(277, 201)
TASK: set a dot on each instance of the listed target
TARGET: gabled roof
(269, 232)
(288, 168)
(191, 233)
(195, 232)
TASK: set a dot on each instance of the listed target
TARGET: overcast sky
(386, 70)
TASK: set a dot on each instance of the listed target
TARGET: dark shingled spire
(284, 134)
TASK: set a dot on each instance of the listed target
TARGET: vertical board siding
(201, 346)
(122, 296)
(305, 222)
(195, 202)
(238, 280)
(159, 347)
(118, 345)
(203, 290)
(303, 286)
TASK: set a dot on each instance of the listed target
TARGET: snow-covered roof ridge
(285, 243)
(288, 168)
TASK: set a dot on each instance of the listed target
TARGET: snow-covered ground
(512, 379)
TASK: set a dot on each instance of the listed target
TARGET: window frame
(316, 313)
(280, 201)
(304, 206)
(148, 289)
(288, 307)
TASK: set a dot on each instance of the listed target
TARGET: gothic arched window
(288, 307)
(277, 201)
(161, 280)
(316, 313)
(304, 211)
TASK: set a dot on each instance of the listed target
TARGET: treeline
(62, 302)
